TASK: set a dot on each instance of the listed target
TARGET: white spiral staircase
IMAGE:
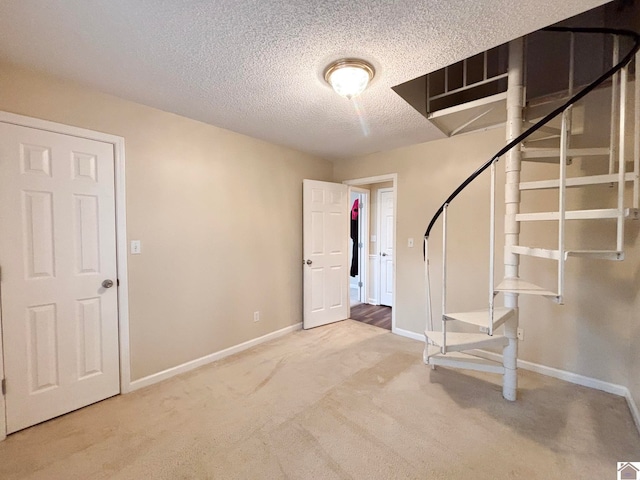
(618, 166)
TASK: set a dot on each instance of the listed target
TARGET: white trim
(390, 177)
(199, 362)
(3, 411)
(123, 271)
(558, 373)
(633, 407)
(575, 378)
(409, 334)
(53, 127)
(570, 377)
(373, 263)
(363, 236)
(121, 231)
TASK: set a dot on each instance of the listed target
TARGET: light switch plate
(136, 247)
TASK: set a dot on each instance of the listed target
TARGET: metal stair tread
(517, 285)
(465, 361)
(481, 317)
(555, 254)
(576, 181)
(470, 116)
(550, 152)
(534, 252)
(632, 213)
(457, 341)
(601, 254)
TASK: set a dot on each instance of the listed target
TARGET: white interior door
(57, 247)
(326, 254)
(386, 226)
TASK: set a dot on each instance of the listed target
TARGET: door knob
(384, 254)
(309, 262)
(107, 283)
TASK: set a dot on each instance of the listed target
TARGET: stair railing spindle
(562, 203)
(572, 62)
(621, 158)
(492, 246)
(572, 69)
(427, 284)
(614, 106)
(636, 135)
(444, 278)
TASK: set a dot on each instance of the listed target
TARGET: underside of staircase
(550, 130)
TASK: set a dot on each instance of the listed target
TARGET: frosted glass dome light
(349, 77)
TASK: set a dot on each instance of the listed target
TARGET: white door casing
(363, 236)
(57, 246)
(354, 281)
(325, 252)
(374, 263)
(385, 239)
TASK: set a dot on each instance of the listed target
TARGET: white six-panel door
(386, 219)
(325, 250)
(57, 247)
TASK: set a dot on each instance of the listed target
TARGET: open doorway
(358, 245)
(372, 252)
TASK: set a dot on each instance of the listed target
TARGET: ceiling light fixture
(349, 77)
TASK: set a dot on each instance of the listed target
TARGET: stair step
(555, 254)
(457, 341)
(465, 361)
(534, 252)
(540, 139)
(545, 128)
(632, 213)
(599, 254)
(546, 132)
(517, 285)
(576, 181)
(481, 317)
(471, 116)
(532, 154)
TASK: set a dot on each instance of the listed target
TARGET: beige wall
(218, 214)
(589, 335)
(220, 242)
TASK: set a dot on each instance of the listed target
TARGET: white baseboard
(199, 362)
(408, 334)
(560, 374)
(635, 413)
(571, 377)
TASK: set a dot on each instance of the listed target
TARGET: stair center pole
(515, 105)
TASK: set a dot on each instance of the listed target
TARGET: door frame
(390, 177)
(121, 241)
(363, 254)
(379, 236)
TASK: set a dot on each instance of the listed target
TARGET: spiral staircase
(553, 137)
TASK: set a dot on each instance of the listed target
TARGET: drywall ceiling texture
(256, 66)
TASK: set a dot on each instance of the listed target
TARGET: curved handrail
(582, 93)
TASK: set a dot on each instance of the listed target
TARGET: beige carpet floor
(343, 401)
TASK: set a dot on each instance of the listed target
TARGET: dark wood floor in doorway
(377, 315)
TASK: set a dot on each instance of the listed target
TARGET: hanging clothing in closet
(354, 236)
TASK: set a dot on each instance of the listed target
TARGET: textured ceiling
(255, 66)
